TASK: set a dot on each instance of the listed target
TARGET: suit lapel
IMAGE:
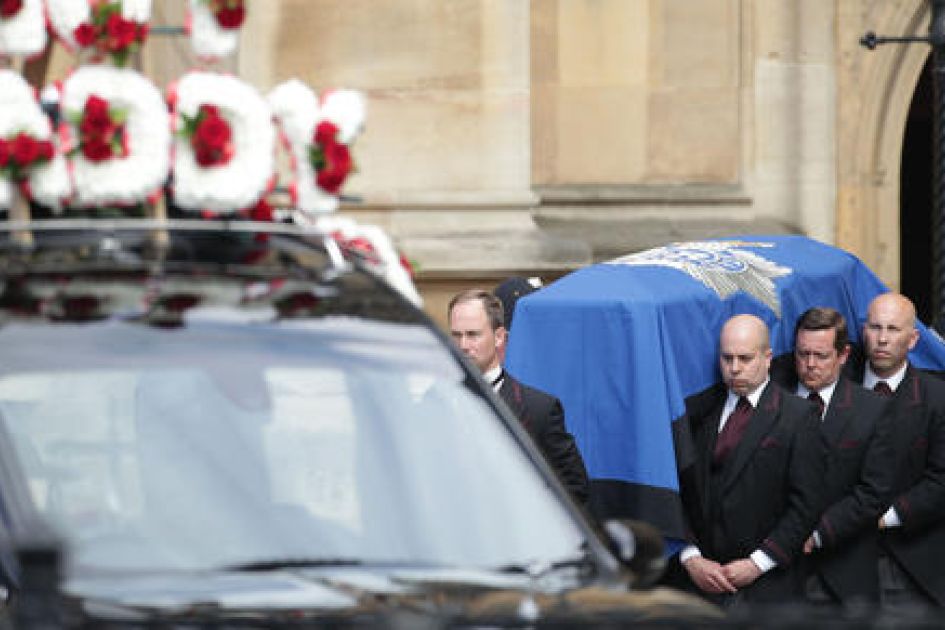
(762, 420)
(839, 411)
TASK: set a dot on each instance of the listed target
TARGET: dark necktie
(883, 389)
(732, 432)
(498, 379)
(815, 398)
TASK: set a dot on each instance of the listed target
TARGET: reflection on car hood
(357, 596)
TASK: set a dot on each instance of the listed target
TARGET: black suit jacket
(858, 486)
(767, 495)
(918, 437)
(543, 417)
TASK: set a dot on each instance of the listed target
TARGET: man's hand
(708, 576)
(742, 572)
(809, 545)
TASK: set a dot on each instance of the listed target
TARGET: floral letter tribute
(318, 136)
(224, 155)
(116, 121)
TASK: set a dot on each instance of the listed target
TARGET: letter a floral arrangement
(209, 147)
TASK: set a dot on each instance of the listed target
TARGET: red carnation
(9, 8)
(24, 149)
(96, 120)
(96, 149)
(4, 152)
(121, 32)
(212, 137)
(84, 34)
(325, 133)
(46, 150)
(338, 164)
(231, 17)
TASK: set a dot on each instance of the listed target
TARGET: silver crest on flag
(719, 265)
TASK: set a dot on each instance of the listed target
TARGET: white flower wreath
(139, 175)
(243, 180)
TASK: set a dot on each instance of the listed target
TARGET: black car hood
(355, 596)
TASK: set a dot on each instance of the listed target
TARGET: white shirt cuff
(762, 560)
(690, 551)
(891, 518)
(817, 542)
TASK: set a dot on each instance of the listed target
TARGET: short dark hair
(824, 318)
(491, 304)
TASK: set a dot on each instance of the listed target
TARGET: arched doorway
(915, 194)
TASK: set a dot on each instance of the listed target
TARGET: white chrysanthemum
(66, 15)
(19, 111)
(25, 32)
(121, 180)
(346, 109)
(388, 266)
(298, 111)
(245, 178)
(208, 39)
(136, 10)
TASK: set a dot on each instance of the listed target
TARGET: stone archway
(876, 90)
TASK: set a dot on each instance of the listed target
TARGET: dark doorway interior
(915, 221)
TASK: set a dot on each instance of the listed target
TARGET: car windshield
(229, 437)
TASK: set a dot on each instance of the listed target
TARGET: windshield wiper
(292, 563)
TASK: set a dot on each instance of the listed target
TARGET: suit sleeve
(870, 496)
(804, 497)
(562, 452)
(924, 503)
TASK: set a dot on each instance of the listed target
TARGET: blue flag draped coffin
(623, 343)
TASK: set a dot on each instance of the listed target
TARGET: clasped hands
(712, 577)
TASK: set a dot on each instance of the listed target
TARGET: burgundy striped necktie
(732, 432)
(815, 398)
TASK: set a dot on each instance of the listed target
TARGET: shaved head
(744, 353)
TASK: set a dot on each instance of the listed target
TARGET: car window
(224, 442)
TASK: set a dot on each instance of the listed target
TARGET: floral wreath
(224, 150)
(22, 27)
(214, 26)
(112, 28)
(115, 131)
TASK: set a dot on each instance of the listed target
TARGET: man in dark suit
(912, 529)
(751, 461)
(477, 327)
(858, 481)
